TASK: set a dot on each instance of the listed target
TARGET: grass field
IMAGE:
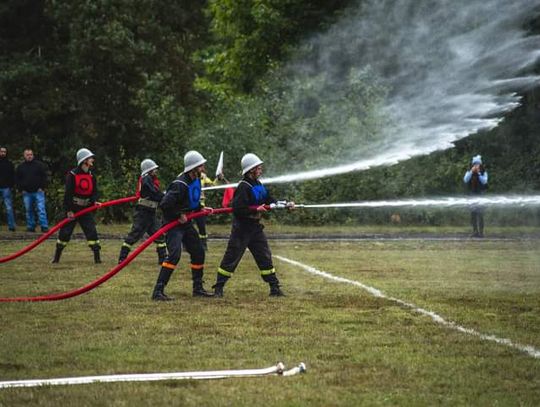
(359, 349)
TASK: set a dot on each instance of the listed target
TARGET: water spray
(493, 201)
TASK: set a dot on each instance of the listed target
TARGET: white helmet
(148, 165)
(193, 159)
(250, 161)
(83, 154)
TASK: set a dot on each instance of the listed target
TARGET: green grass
(273, 227)
(360, 350)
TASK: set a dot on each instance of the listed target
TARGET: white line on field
(530, 350)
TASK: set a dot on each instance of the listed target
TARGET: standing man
(247, 232)
(183, 196)
(80, 193)
(7, 181)
(476, 179)
(144, 218)
(31, 180)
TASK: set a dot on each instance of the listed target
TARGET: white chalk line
(530, 350)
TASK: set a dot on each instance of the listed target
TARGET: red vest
(84, 185)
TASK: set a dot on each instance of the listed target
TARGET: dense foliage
(134, 79)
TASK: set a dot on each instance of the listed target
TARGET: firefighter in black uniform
(80, 193)
(247, 232)
(183, 196)
(144, 218)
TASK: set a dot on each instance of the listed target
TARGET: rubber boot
(162, 254)
(275, 291)
(198, 289)
(273, 282)
(163, 279)
(220, 283)
(57, 253)
(124, 252)
(97, 256)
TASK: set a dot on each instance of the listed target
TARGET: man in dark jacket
(476, 179)
(7, 181)
(247, 232)
(145, 219)
(183, 196)
(80, 193)
(31, 180)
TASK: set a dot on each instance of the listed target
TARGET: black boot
(198, 289)
(124, 252)
(218, 290)
(57, 253)
(220, 283)
(163, 279)
(273, 282)
(162, 254)
(275, 291)
(97, 256)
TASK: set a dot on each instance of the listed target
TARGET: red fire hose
(44, 236)
(117, 268)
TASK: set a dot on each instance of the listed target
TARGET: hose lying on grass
(118, 267)
(64, 222)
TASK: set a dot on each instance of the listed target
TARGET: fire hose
(118, 267)
(90, 286)
(64, 222)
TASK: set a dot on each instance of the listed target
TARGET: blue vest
(194, 192)
(259, 194)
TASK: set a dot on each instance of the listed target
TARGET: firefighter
(206, 181)
(247, 231)
(183, 196)
(144, 218)
(476, 180)
(80, 193)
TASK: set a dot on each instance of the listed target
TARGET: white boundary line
(530, 350)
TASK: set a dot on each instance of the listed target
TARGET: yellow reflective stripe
(92, 242)
(224, 272)
(161, 244)
(203, 236)
(168, 265)
(268, 272)
(61, 242)
(127, 245)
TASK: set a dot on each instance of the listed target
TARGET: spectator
(31, 180)
(476, 179)
(7, 181)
